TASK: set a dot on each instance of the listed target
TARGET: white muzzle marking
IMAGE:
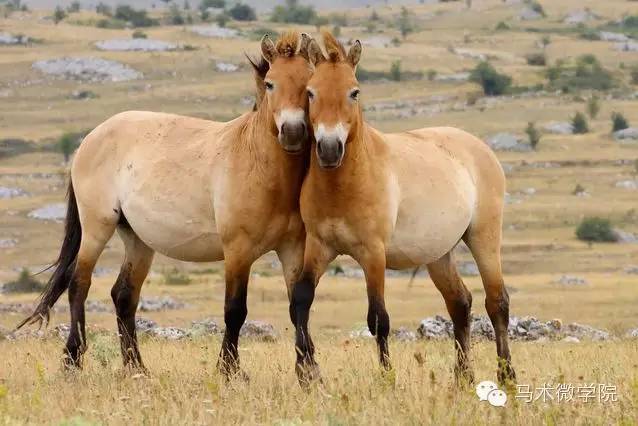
(338, 132)
(289, 116)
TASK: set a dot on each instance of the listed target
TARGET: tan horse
(396, 201)
(193, 190)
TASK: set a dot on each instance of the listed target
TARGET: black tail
(64, 266)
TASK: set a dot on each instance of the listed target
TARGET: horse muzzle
(330, 152)
(292, 136)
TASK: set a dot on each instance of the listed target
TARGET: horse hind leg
(458, 301)
(484, 240)
(96, 232)
(126, 293)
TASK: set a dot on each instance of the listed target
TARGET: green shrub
(242, 12)
(25, 283)
(593, 106)
(135, 17)
(431, 74)
(175, 276)
(590, 34)
(533, 134)
(536, 59)
(536, 7)
(215, 4)
(174, 15)
(104, 9)
(58, 15)
(634, 75)
(405, 24)
(595, 229)
(74, 7)
(586, 73)
(67, 144)
(395, 71)
(293, 12)
(492, 82)
(579, 123)
(221, 19)
(139, 34)
(618, 122)
(502, 26)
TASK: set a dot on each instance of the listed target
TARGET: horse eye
(311, 95)
(354, 95)
(269, 85)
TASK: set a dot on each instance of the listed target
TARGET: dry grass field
(539, 247)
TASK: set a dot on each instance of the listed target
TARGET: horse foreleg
(317, 256)
(237, 271)
(372, 260)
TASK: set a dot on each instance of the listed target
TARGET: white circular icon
(497, 398)
(484, 388)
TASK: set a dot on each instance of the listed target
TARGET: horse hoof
(70, 364)
(506, 375)
(308, 374)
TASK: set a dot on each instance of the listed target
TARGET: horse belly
(181, 228)
(424, 233)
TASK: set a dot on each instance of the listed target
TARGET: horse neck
(264, 151)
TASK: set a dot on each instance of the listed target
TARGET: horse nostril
(319, 148)
(283, 128)
(339, 149)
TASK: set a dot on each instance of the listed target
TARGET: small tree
(58, 15)
(593, 106)
(67, 145)
(320, 21)
(242, 12)
(395, 71)
(595, 229)
(222, 19)
(492, 82)
(104, 9)
(533, 134)
(618, 122)
(74, 7)
(579, 124)
(405, 22)
(174, 16)
(374, 16)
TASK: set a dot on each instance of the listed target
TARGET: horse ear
(303, 46)
(268, 50)
(315, 54)
(354, 55)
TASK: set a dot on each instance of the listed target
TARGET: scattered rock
(8, 243)
(627, 135)
(136, 44)
(627, 184)
(403, 334)
(6, 38)
(49, 212)
(170, 333)
(154, 304)
(571, 339)
(528, 191)
(468, 268)
(62, 331)
(259, 330)
(361, 331)
(453, 78)
(214, 31)
(144, 325)
(97, 306)
(609, 36)
(80, 95)
(435, 328)
(529, 14)
(581, 331)
(508, 142)
(87, 69)
(580, 17)
(470, 54)
(7, 192)
(559, 128)
(571, 280)
(377, 41)
(204, 327)
(627, 46)
(633, 334)
(633, 270)
(624, 237)
(226, 67)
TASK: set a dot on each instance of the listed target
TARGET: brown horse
(396, 201)
(193, 190)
